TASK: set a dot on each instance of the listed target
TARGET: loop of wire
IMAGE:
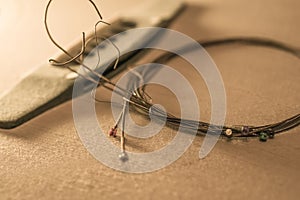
(140, 99)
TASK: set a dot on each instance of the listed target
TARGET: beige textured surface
(44, 159)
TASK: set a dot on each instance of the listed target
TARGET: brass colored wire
(139, 98)
(75, 58)
(57, 63)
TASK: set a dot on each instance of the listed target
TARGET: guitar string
(139, 100)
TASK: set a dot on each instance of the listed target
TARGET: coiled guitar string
(236, 131)
(139, 99)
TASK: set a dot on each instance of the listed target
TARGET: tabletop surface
(45, 159)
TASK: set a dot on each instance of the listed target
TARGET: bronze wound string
(141, 100)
